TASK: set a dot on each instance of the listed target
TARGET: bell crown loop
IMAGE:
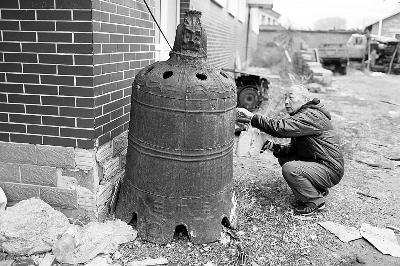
(191, 37)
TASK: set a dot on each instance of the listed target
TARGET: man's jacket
(312, 135)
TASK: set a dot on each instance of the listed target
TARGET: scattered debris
(373, 160)
(31, 226)
(344, 233)
(96, 238)
(383, 239)
(360, 259)
(366, 195)
(394, 155)
(149, 262)
(393, 228)
(100, 261)
(47, 260)
(388, 102)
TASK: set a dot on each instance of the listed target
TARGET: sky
(301, 14)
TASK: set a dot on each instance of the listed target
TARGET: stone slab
(63, 157)
(65, 198)
(17, 192)
(9, 172)
(17, 153)
(39, 175)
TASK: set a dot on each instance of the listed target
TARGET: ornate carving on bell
(179, 162)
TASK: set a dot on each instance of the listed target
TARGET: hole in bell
(133, 221)
(167, 74)
(225, 222)
(181, 233)
(201, 76)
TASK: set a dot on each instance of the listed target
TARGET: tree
(330, 23)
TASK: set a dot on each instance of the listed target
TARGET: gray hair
(301, 91)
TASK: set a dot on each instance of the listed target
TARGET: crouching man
(312, 162)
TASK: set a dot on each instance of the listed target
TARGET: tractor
(252, 88)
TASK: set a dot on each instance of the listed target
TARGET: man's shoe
(309, 208)
(297, 203)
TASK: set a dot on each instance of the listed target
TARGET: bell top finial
(191, 37)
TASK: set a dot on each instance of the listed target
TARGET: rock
(3, 201)
(31, 226)
(117, 255)
(24, 262)
(100, 261)
(6, 263)
(98, 238)
(360, 259)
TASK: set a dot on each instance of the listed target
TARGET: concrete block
(38, 175)
(17, 153)
(104, 152)
(9, 172)
(63, 157)
(120, 143)
(85, 159)
(17, 192)
(61, 197)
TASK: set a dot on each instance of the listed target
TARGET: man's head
(295, 97)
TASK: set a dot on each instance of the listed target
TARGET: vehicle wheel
(248, 98)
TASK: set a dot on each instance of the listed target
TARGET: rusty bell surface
(180, 161)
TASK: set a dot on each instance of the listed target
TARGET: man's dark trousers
(306, 179)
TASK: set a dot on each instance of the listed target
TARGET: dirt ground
(366, 114)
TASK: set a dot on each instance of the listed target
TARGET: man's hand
(243, 115)
(268, 145)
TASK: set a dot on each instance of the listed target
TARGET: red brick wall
(123, 39)
(66, 68)
(226, 35)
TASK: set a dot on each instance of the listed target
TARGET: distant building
(390, 26)
(269, 17)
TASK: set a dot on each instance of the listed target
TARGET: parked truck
(336, 56)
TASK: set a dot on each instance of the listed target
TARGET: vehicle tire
(248, 97)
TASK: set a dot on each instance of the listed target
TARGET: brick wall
(390, 26)
(123, 43)
(65, 74)
(226, 35)
(46, 85)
